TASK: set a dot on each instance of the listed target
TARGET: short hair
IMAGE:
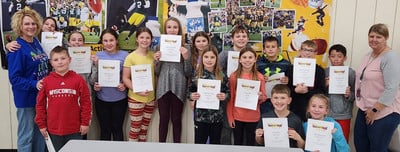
(239, 29)
(379, 28)
(271, 39)
(309, 43)
(281, 89)
(338, 48)
(58, 49)
(17, 18)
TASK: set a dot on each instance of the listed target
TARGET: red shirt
(63, 104)
(241, 114)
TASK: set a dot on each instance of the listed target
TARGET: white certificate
(338, 79)
(170, 46)
(80, 62)
(319, 135)
(109, 73)
(49, 144)
(233, 62)
(247, 94)
(304, 71)
(50, 40)
(208, 90)
(272, 81)
(142, 79)
(276, 132)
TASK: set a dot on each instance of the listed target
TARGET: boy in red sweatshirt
(63, 109)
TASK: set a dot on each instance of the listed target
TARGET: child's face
(337, 58)
(280, 101)
(172, 27)
(247, 60)
(209, 60)
(109, 42)
(318, 108)
(144, 40)
(60, 62)
(200, 42)
(240, 40)
(75, 40)
(49, 26)
(271, 49)
(307, 52)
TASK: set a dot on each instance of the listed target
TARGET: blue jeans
(29, 137)
(375, 137)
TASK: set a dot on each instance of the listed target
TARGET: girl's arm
(231, 102)
(126, 77)
(339, 139)
(263, 95)
(186, 61)
(85, 104)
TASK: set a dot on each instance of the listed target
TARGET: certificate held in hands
(338, 79)
(304, 71)
(276, 132)
(80, 59)
(247, 94)
(109, 73)
(50, 40)
(319, 135)
(208, 90)
(142, 79)
(170, 48)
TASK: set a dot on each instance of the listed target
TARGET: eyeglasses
(308, 50)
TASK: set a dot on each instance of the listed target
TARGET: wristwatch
(374, 110)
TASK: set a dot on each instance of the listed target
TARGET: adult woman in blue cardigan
(27, 66)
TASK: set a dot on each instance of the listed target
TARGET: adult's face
(29, 27)
(376, 41)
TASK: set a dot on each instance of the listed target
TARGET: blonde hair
(17, 18)
(309, 43)
(217, 69)
(317, 96)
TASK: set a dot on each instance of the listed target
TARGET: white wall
(351, 20)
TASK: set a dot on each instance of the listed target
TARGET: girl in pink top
(241, 119)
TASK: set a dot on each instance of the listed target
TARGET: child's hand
(121, 87)
(347, 94)
(194, 96)
(84, 130)
(284, 80)
(294, 135)
(192, 102)
(96, 86)
(39, 84)
(184, 52)
(334, 130)
(13, 46)
(301, 88)
(44, 133)
(266, 78)
(95, 59)
(143, 93)
(259, 132)
(232, 124)
(157, 55)
(221, 96)
(327, 81)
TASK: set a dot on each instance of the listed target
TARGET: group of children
(202, 61)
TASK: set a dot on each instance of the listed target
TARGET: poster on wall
(126, 16)
(9, 7)
(290, 21)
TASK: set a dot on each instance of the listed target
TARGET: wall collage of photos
(291, 21)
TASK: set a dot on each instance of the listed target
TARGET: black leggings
(111, 117)
(244, 129)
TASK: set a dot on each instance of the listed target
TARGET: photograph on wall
(217, 21)
(217, 4)
(273, 3)
(126, 16)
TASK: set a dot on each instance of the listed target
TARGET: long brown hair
(217, 68)
(254, 71)
(194, 51)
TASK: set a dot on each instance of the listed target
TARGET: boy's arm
(85, 103)
(41, 110)
(352, 80)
